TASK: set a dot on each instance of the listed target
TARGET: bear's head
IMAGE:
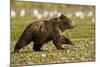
(65, 23)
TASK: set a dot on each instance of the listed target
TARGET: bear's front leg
(57, 42)
(66, 40)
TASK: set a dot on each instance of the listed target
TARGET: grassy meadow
(82, 36)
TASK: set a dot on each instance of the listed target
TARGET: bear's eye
(62, 16)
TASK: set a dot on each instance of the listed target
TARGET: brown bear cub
(41, 32)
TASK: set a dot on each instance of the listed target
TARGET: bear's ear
(62, 16)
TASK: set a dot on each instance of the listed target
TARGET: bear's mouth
(71, 27)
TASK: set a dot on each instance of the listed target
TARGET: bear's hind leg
(20, 44)
(37, 47)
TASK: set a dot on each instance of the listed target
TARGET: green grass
(82, 36)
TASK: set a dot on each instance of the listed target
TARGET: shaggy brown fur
(41, 32)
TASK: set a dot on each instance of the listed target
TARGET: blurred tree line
(63, 8)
